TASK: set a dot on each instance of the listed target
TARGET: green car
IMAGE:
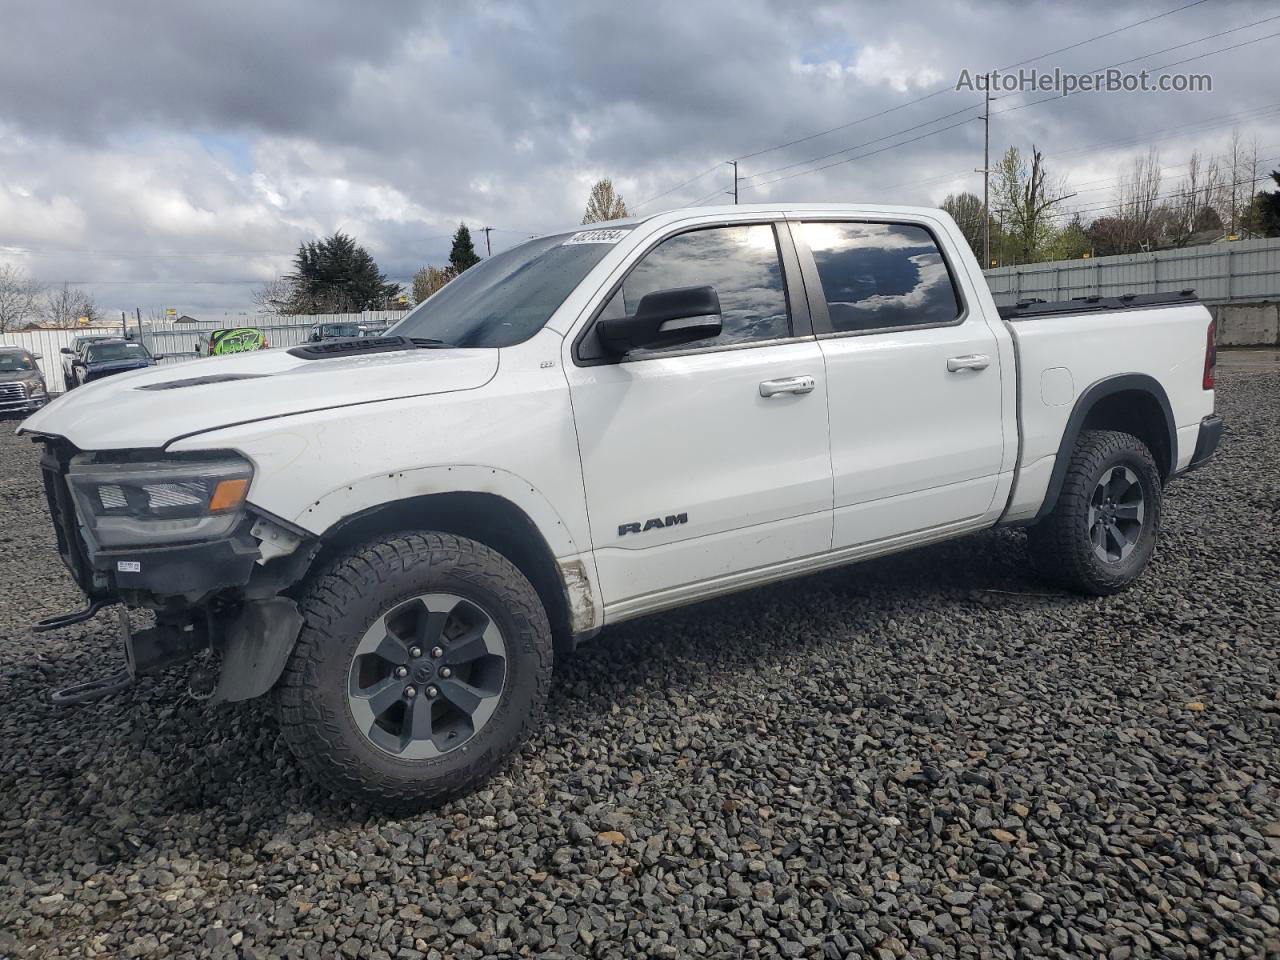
(219, 343)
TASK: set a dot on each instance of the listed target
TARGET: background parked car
(102, 358)
(219, 343)
(22, 386)
(77, 347)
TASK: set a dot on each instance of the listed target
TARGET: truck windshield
(102, 352)
(509, 297)
(12, 362)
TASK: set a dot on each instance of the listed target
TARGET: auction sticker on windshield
(595, 236)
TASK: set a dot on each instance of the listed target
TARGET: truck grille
(12, 393)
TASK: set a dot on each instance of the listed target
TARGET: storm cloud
(172, 154)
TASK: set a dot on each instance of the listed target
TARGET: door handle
(973, 361)
(797, 385)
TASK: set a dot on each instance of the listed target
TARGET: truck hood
(150, 408)
(18, 376)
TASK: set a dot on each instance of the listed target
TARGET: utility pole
(488, 248)
(734, 164)
(986, 178)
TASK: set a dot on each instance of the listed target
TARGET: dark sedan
(102, 358)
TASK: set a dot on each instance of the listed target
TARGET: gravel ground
(929, 755)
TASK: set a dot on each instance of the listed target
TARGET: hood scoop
(354, 347)
(200, 381)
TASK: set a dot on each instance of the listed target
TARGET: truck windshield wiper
(428, 343)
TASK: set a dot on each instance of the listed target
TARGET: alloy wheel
(1117, 510)
(427, 676)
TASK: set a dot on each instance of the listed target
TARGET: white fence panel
(1240, 271)
(177, 342)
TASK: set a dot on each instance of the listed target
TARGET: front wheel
(1102, 531)
(423, 665)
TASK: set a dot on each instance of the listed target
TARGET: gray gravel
(930, 755)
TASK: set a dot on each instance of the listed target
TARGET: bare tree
(1027, 195)
(19, 297)
(274, 296)
(1194, 208)
(1240, 168)
(1136, 199)
(64, 306)
(604, 203)
(966, 210)
(430, 279)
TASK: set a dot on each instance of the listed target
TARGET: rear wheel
(1102, 531)
(423, 665)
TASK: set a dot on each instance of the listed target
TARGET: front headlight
(131, 504)
(35, 388)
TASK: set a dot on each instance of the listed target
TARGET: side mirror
(157, 356)
(37, 356)
(68, 351)
(664, 318)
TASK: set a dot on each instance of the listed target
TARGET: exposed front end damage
(220, 603)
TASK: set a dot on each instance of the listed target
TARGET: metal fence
(178, 342)
(1239, 271)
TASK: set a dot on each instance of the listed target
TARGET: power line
(1109, 33)
(857, 146)
(678, 186)
(1022, 106)
(1192, 43)
(929, 96)
(1234, 46)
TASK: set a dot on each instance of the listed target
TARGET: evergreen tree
(463, 253)
(337, 275)
(1263, 214)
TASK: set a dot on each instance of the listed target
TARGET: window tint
(740, 262)
(877, 275)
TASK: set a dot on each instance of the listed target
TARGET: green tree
(604, 203)
(1069, 243)
(1026, 195)
(430, 279)
(337, 275)
(463, 253)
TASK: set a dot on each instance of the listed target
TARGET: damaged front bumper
(216, 601)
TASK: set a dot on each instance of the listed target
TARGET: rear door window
(878, 276)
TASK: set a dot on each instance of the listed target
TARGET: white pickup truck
(398, 533)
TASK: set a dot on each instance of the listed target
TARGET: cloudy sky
(175, 154)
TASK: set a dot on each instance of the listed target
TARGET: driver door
(693, 474)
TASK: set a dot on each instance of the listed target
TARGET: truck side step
(69, 619)
(92, 690)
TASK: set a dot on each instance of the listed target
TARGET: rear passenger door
(913, 381)
(711, 459)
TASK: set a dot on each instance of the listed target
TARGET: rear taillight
(1210, 356)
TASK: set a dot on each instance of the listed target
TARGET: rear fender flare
(1085, 403)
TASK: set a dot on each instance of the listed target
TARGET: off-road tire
(342, 601)
(1060, 543)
